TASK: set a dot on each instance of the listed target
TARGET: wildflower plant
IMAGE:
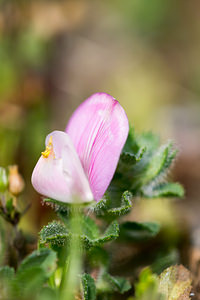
(91, 173)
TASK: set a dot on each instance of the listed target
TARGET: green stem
(63, 279)
(72, 268)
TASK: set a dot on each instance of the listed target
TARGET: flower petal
(99, 129)
(60, 175)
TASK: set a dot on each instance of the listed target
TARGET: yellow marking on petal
(49, 148)
(46, 152)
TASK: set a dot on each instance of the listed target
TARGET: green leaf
(44, 259)
(148, 140)
(164, 260)
(142, 169)
(54, 233)
(131, 142)
(57, 234)
(28, 281)
(6, 273)
(119, 284)
(138, 232)
(164, 190)
(34, 272)
(132, 151)
(160, 163)
(47, 293)
(111, 233)
(98, 257)
(89, 228)
(175, 283)
(89, 288)
(110, 284)
(3, 179)
(147, 286)
(6, 280)
(130, 158)
(105, 210)
(9, 205)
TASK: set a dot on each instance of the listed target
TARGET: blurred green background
(54, 54)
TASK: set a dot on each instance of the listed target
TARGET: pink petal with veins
(98, 129)
(60, 176)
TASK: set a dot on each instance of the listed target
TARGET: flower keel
(59, 174)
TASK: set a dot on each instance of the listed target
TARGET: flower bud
(3, 180)
(16, 182)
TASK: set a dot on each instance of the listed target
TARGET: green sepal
(67, 208)
(138, 232)
(88, 287)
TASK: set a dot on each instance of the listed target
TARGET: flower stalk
(70, 281)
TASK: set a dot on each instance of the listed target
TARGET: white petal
(60, 176)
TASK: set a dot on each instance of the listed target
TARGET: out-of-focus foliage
(38, 267)
(173, 283)
(147, 286)
(135, 231)
(3, 180)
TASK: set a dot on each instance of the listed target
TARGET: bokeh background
(54, 54)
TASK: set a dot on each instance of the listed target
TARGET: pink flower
(79, 164)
